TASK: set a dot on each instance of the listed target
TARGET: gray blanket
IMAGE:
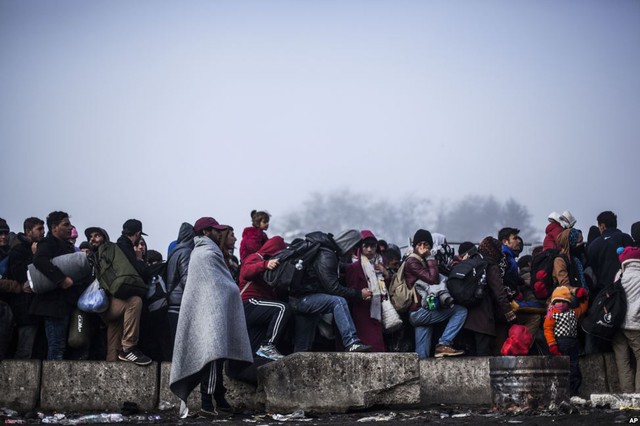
(211, 324)
(74, 265)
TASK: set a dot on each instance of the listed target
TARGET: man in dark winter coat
(602, 252)
(320, 292)
(20, 257)
(177, 269)
(55, 306)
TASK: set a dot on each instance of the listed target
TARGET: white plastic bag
(94, 299)
(390, 319)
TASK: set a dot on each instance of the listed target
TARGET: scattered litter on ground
(576, 400)
(296, 415)
(165, 405)
(379, 418)
(456, 416)
(7, 412)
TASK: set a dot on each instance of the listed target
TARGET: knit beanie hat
(635, 232)
(561, 294)
(628, 253)
(4, 226)
(422, 235)
(465, 247)
(347, 240)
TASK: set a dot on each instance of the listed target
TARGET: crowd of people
(214, 307)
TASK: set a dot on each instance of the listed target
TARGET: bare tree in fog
(471, 218)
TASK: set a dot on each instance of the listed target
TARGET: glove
(581, 293)
(554, 350)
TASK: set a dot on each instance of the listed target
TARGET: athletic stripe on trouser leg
(213, 377)
(276, 326)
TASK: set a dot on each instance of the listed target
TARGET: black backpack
(157, 296)
(542, 273)
(293, 262)
(607, 313)
(467, 281)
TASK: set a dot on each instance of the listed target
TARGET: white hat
(567, 220)
(554, 217)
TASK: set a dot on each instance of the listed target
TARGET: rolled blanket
(74, 265)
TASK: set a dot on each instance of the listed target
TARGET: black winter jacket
(20, 257)
(322, 276)
(59, 302)
(603, 257)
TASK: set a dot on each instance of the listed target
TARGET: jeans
(56, 330)
(422, 319)
(320, 303)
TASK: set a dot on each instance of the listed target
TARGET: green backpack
(117, 275)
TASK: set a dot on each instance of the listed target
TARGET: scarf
(574, 235)
(491, 249)
(375, 282)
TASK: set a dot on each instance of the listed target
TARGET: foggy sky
(166, 111)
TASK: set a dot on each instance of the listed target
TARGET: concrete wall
(319, 382)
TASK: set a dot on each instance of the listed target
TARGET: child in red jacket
(253, 237)
(561, 329)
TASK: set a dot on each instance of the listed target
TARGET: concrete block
(593, 377)
(19, 384)
(460, 380)
(611, 373)
(240, 395)
(339, 382)
(617, 401)
(97, 385)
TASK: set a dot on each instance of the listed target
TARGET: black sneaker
(359, 347)
(223, 406)
(134, 355)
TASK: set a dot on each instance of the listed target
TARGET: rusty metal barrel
(528, 382)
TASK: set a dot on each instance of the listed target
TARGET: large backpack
(542, 273)
(400, 294)
(607, 312)
(157, 297)
(293, 261)
(117, 275)
(468, 281)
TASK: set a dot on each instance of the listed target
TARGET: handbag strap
(246, 286)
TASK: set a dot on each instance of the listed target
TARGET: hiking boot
(444, 350)
(269, 352)
(134, 355)
(359, 347)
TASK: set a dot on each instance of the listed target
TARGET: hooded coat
(211, 324)
(253, 268)
(252, 239)
(178, 266)
(551, 232)
(631, 283)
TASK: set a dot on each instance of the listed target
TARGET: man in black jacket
(20, 257)
(320, 292)
(55, 306)
(602, 252)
